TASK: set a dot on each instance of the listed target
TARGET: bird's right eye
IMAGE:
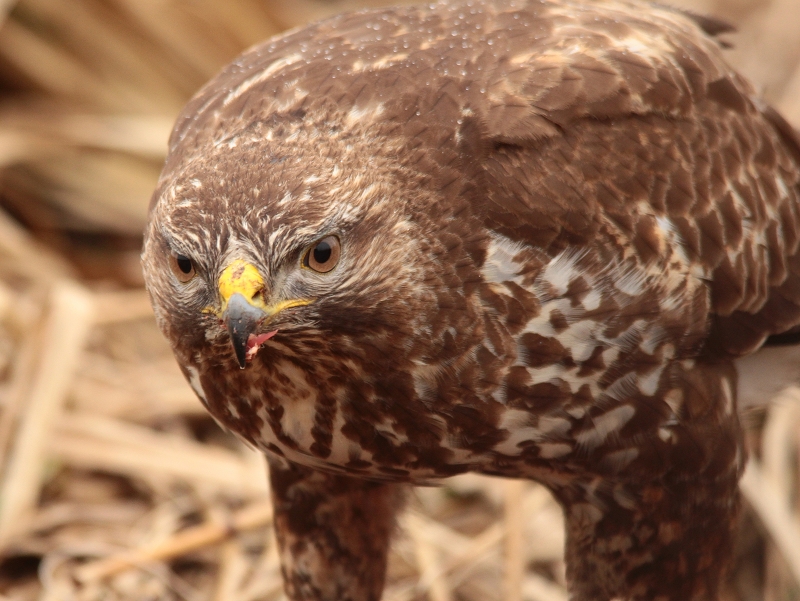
(182, 266)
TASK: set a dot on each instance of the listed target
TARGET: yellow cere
(242, 277)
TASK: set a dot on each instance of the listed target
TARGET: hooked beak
(241, 319)
(244, 309)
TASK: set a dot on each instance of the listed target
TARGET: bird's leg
(333, 532)
(663, 530)
(670, 546)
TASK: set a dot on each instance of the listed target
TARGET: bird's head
(317, 251)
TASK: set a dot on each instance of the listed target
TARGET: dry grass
(115, 483)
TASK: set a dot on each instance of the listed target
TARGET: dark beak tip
(241, 356)
(241, 319)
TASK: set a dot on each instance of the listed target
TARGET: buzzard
(525, 238)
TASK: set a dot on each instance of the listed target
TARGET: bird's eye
(182, 266)
(323, 254)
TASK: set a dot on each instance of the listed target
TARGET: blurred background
(114, 483)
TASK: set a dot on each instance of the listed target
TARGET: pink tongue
(255, 342)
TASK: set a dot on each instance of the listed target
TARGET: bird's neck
(658, 541)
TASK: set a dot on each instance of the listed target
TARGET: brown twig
(256, 515)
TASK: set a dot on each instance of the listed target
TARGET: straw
(783, 527)
(63, 336)
(209, 533)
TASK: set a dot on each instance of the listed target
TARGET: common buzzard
(519, 237)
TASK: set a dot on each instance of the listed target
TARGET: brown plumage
(523, 238)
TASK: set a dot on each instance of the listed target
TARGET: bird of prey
(525, 238)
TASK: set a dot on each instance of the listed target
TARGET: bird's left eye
(182, 266)
(323, 255)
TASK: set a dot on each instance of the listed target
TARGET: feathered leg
(618, 551)
(333, 532)
(662, 528)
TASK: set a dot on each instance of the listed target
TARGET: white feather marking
(620, 459)
(727, 394)
(631, 282)
(674, 399)
(649, 384)
(592, 300)
(605, 424)
(666, 435)
(358, 113)
(275, 233)
(562, 270)
(651, 339)
(553, 450)
(550, 426)
(547, 373)
(273, 68)
(671, 234)
(500, 266)
(194, 382)
(624, 387)
(580, 338)
(518, 425)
